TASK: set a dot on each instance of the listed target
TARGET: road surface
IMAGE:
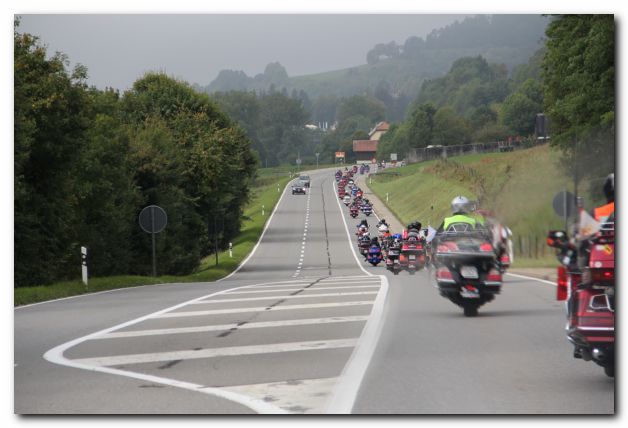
(303, 327)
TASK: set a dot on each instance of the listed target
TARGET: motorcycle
(364, 245)
(353, 211)
(346, 199)
(586, 281)
(374, 255)
(412, 256)
(392, 259)
(362, 230)
(466, 270)
(367, 209)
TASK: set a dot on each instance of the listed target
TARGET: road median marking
(116, 360)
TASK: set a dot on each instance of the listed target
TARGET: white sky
(119, 49)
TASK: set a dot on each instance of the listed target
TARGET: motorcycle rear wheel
(609, 370)
(470, 310)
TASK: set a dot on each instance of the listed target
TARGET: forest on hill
(393, 72)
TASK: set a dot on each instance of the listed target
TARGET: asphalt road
(302, 328)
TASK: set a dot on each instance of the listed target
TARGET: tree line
(571, 79)
(86, 162)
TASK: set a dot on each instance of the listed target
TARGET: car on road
(298, 189)
(304, 180)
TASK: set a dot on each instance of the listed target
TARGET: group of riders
(464, 219)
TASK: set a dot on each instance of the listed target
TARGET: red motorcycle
(586, 280)
(412, 256)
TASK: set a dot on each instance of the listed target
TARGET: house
(380, 129)
(364, 150)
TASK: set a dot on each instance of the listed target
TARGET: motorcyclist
(460, 214)
(413, 229)
(382, 222)
(365, 242)
(364, 223)
(603, 212)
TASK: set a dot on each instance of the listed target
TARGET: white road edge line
(55, 355)
(270, 219)
(544, 281)
(345, 392)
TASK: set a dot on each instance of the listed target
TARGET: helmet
(397, 236)
(459, 204)
(609, 188)
(383, 228)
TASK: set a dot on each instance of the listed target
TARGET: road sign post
(153, 219)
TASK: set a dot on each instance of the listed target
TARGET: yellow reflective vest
(458, 218)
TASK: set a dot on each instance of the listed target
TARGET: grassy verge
(266, 195)
(518, 187)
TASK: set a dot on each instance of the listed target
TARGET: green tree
(359, 105)
(421, 126)
(450, 129)
(51, 111)
(579, 90)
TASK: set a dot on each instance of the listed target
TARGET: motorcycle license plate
(412, 257)
(469, 272)
(469, 294)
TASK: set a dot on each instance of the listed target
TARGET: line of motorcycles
(468, 266)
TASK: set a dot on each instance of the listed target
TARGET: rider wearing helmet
(460, 214)
(603, 212)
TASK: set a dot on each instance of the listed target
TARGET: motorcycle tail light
(443, 273)
(494, 276)
(486, 247)
(603, 275)
(596, 276)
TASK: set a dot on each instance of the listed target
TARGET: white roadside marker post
(84, 264)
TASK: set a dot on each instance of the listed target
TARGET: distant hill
(400, 69)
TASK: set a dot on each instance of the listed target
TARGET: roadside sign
(564, 204)
(393, 156)
(153, 219)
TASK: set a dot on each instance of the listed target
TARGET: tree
(579, 74)
(421, 126)
(518, 112)
(450, 129)
(359, 105)
(51, 116)
(579, 90)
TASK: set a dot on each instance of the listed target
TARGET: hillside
(518, 187)
(404, 69)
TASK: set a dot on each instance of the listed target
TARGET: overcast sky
(118, 49)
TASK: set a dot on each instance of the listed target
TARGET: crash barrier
(435, 152)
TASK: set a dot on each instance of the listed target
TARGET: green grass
(252, 227)
(517, 186)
